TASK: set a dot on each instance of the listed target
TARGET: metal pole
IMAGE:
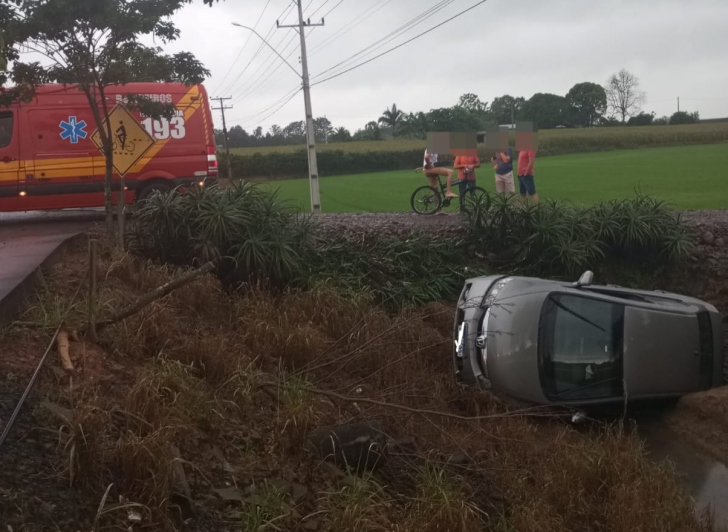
(312, 161)
(222, 109)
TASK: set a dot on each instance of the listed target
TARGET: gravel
(402, 224)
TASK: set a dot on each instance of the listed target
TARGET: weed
(359, 506)
(441, 503)
(266, 510)
(51, 310)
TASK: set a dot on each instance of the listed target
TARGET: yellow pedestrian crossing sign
(131, 140)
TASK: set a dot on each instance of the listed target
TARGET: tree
(624, 99)
(94, 44)
(276, 130)
(258, 133)
(238, 137)
(295, 132)
(642, 119)
(416, 125)
(322, 129)
(662, 121)
(506, 109)
(547, 110)
(341, 134)
(372, 131)
(391, 118)
(682, 117)
(471, 102)
(454, 119)
(588, 103)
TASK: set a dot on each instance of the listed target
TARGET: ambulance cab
(49, 160)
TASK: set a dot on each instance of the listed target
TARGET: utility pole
(678, 104)
(326, 130)
(223, 108)
(512, 119)
(310, 133)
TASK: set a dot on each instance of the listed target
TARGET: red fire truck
(48, 160)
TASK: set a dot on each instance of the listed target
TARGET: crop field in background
(552, 141)
(688, 177)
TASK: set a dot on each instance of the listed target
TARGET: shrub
(247, 232)
(561, 238)
(254, 238)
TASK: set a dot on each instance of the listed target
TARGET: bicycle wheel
(425, 200)
(472, 198)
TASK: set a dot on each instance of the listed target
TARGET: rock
(402, 446)
(719, 243)
(708, 237)
(359, 446)
(459, 459)
(298, 492)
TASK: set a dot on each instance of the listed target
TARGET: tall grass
(205, 397)
(555, 238)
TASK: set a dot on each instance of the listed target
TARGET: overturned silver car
(576, 343)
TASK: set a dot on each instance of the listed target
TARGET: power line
(281, 106)
(400, 45)
(259, 84)
(251, 88)
(250, 118)
(416, 21)
(270, 32)
(353, 23)
(244, 45)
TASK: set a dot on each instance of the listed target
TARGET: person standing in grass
(432, 173)
(526, 184)
(466, 165)
(503, 166)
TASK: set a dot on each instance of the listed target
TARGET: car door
(9, 159)
(63, 159)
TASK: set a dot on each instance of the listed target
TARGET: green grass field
(689, 177)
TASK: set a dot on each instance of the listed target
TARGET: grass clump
(561, 238)
(441, 503)
(361, 505)
(266, 509)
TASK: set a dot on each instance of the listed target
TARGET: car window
(6, 129)
(580, 348)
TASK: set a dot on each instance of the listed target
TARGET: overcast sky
(516, 47)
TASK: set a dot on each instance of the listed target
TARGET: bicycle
(429, 200)
(129, 146)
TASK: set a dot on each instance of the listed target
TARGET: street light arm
(269, 46)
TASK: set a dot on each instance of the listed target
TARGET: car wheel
(149, 188)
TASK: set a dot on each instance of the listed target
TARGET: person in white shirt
(432, 172)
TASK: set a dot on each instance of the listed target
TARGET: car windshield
(580, 348)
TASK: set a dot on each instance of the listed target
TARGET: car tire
(148, 188)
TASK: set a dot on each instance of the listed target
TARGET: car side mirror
(586, 279)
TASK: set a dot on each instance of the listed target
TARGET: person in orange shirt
(466, 165)
(526, 184)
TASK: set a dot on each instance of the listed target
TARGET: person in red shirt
(526, 184)
(466, 165)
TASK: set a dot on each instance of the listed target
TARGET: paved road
(27, 241)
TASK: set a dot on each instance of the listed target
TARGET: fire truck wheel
(150, 187)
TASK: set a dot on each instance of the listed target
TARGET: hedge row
(295, 164)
